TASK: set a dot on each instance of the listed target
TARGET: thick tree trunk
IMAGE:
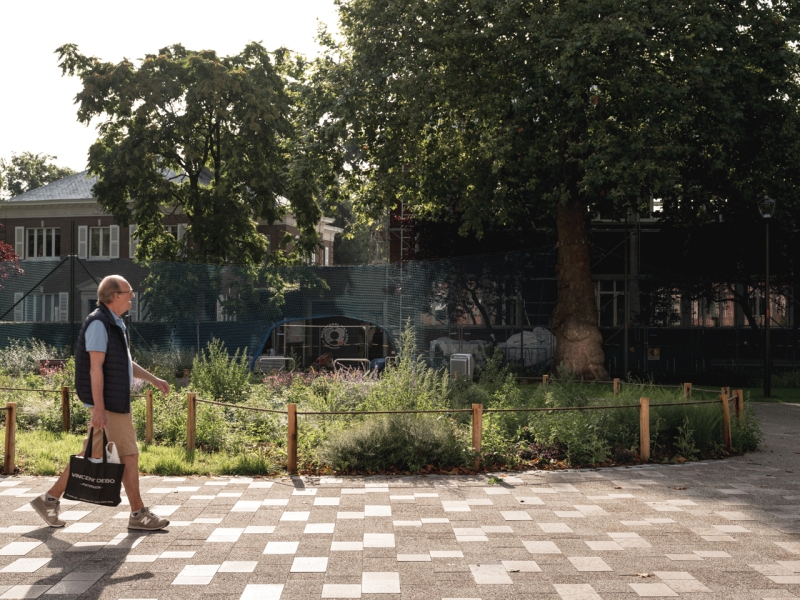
(579, 344)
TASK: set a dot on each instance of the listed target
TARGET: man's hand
(99, 419)
(162, 385)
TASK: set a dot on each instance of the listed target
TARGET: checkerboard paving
(724, 529)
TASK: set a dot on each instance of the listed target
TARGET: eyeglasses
(127, 292)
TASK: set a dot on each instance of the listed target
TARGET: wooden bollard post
(739, 404)
(148, 417)
(191, 421)
(292, 447)
(644, 429)
(477, 434)
(11, 438)
(616, 386)
(544, 380)
(726, 391)
(687, 391)
(65, 420)
(726, 422)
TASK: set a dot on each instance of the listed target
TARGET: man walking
(104, 373)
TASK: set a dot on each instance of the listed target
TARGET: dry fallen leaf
(679, 487)
(617, 487)
(644, 575)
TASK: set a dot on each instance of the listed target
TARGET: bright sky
(37, 113)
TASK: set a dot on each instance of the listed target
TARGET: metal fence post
(477, 434)
(726, 422)
(292, 441)
(65, 418)
(148, 417)
(191, 421)
(11, 438)
(644, 429)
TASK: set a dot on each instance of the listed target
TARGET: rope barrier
(280, 412)
(388, 412)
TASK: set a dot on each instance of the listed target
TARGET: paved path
(726, 529)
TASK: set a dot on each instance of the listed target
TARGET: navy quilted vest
(116, 383)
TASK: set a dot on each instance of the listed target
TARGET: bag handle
(90, 446)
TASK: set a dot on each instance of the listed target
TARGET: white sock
(135, 513)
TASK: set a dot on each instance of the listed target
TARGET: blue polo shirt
(97, 341)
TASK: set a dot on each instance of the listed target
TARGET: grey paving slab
(718, 529)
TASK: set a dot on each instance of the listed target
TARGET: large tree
(544, 112)
(28, 171)
(212, 137)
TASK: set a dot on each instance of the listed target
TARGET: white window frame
(113, 242)
(41, 231)
(614, 296)
(32, 309)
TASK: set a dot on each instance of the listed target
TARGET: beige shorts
(120, 431)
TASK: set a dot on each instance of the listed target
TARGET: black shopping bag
(94, 482)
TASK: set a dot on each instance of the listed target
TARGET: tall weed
(218, 376)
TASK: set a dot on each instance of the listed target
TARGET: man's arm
(96, 360)
(140, 373)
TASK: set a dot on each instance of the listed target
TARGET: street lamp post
(766, 207)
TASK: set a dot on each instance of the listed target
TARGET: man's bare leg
(60, 486)
(130, 479)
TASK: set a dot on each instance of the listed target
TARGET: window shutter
(19, 241)
(19, 307)
(83, 239)
(134, 311)
(113, 250)
(181, 231)
(133, 243)
(63, 307)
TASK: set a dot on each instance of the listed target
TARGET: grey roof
(79, 186)
(74, 187)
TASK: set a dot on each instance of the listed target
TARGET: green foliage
(28, 171)
(210, 135)
(408, 383)
(233, 440)
(405, 442)
(164, 363)
(684, 441)
(787, 379)
(745, 433)
(22, 356)
(218, 376)
(525, 115)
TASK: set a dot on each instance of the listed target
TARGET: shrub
(405, 442)
(409, 383)
(218, 376)
(787, 379)
(167, 363)
(23, 356)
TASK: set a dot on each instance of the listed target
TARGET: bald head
(109, 287)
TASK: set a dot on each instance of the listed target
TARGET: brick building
(39, 225)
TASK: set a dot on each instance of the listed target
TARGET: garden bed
(231, 440)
